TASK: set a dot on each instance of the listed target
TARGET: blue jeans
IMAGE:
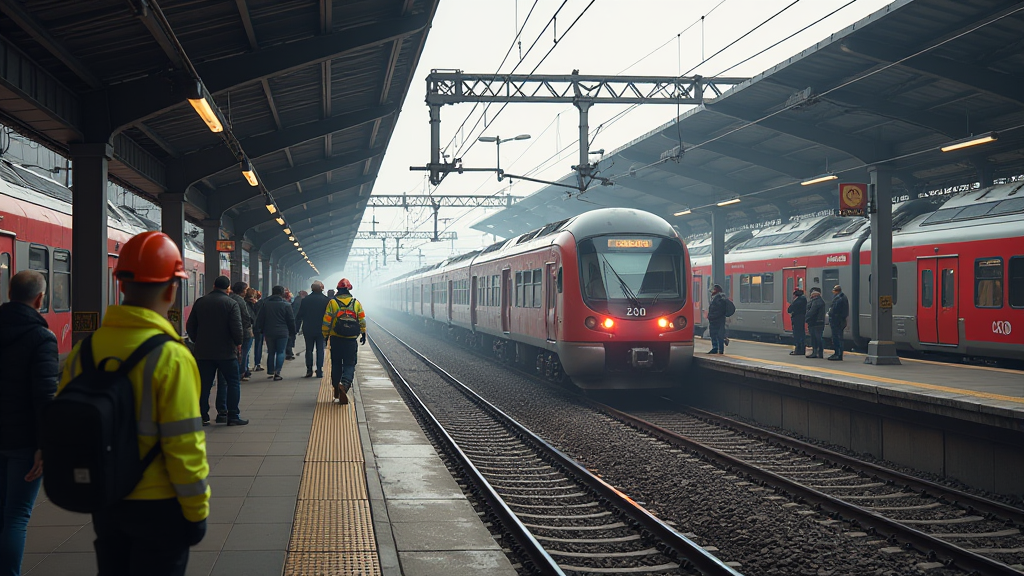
(717, 337)
(228, 393)
(257, 345)
(314, 340)
(837, 338)
(275, 354)
(243, 365)
(16, 499)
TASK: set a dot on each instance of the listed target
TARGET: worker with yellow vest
(150, 531)
(344, 321)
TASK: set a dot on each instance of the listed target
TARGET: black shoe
(721, 351)
(835, 358)
(795, 353)
(237, 422)
(712, 351)
(811, 356)
(206, 422)
(258, 368)
(319, 373)
(222, 418)
(309, 374)
(269, 375)
(726, 341)
(277, 377)
(289, 357)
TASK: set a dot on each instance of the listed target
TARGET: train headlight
(681, 322)
(662, 322)
(608, 323)
(591, 322)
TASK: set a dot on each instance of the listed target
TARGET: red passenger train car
(601, 298)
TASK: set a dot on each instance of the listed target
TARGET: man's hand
(37, 468)
(362, 338)
(195, 532)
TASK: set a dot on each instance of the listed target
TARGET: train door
(937, 305)
(450, 301)
(423, 298)
(698, 281)
(793, 278)
(472, 302)
(6, 265)
(550, 300)
(113, 290)
(506, 299)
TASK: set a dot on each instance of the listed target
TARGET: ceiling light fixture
(249, 172)
(970, 141)
(683, 212)
(197, 98)
(728, 202)
(270, 206)
(819, 179)
(287, 230)
(279, 220)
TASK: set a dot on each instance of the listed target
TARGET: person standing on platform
(277, 324)
(798, 314)
(343, 321)
(28, 353)
(238, 295)
(837, 314)
(289, 353)
(296, 304)
(215, 325)
(330, 294)
(250, 302)
(150, 531)
(716, 320)
(816, 323)
(257, 336)
(309, 318)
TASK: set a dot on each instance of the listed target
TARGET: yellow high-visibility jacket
(332, 308)
(168, 412)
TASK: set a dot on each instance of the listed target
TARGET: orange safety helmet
(150, 257)
(344, 283)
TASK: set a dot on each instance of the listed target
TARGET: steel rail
(529, 546)
(688, 552)
(892, 529)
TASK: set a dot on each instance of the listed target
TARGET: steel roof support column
(254, 269)
(881, 350)
(236, 261)
(172, 223)
(211, 258)
(265, 277)
(89, 237)
(718, 221)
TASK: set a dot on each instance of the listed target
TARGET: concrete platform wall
(980, 456)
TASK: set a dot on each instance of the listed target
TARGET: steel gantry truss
(452, 87)
(435, 203)
(399, 235)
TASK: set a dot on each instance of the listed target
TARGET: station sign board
(853, 199)
(225, 245)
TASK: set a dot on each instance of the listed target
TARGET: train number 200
(636, 312)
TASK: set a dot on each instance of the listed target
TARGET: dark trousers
(314, 340)
(291, 345)
(837, 337)
(228, 393)
(717, 332)
(257, 345)
(16, 500)
(343, 361)
(798, 335)
(141, 537)
(275, 354)
(817, 340)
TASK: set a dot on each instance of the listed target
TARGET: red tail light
(608, 323)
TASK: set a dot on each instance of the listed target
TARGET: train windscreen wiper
(626, 290)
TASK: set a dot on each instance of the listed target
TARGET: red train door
(506, 299)
(937, 304)
(550, 292)
(698, 282)
(6, 265)
(792, 278)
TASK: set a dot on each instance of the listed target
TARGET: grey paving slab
(68, 564)
(237, 466)
(416, 478)
(46, 539)
(288, 448)
(265, 536)
(426, 536)
(224, 509)
(448, 510)
(200, 563)
(275, 486)
(404, 450)
(281, 466)
(260, 509)
(454, 563)
(230, 485)
(249, 563)
(403, 435)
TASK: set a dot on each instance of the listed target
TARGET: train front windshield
(632, 276)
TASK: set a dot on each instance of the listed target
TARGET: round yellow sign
(852, 195)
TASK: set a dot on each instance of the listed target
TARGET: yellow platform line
(332, 532)
(974, 393)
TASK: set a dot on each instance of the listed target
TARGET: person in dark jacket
(215, 325)
(716, 320)
(798, 314)
(277, 324)
(296, 304)
(257, 336)
(311, 313)
(838, 311)
(250, 303)
(28, 353)
(816, 323)
(238, 295)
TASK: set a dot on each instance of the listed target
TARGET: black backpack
(730, 308)
(345, 321)
(90, 440)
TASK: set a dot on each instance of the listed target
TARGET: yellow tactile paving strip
(332, 534)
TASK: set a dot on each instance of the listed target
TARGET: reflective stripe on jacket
(167, 410)
(332, 308)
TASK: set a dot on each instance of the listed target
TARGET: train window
(789, 287)
(5, 276)
(1009, 206)
(768, 288)
(519, 289)
(39, 260)
(744, 288)
(988, 283)
(538, 278)
(61, 281)
(829, 278)
(1016, 274)
(927, 288)
(495, 290)
(728, 287)
(948, 288)
(558, 281)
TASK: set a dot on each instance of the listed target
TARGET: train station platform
(311, 487)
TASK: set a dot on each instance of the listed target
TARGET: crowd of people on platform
(146, 511)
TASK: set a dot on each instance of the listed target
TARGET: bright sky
(612, 37)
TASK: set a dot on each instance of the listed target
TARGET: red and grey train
(35, 233)
(601, 298)
(958, 274)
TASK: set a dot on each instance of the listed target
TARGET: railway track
(563, 519)
(952, 527)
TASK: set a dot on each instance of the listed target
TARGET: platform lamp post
(498, 141)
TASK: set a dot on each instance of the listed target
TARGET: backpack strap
(142, 351)
(85, 356)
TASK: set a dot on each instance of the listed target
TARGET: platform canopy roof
(310, 89)
(888, 90)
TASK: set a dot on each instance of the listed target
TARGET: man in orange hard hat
(343, 322)
(150, 531)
